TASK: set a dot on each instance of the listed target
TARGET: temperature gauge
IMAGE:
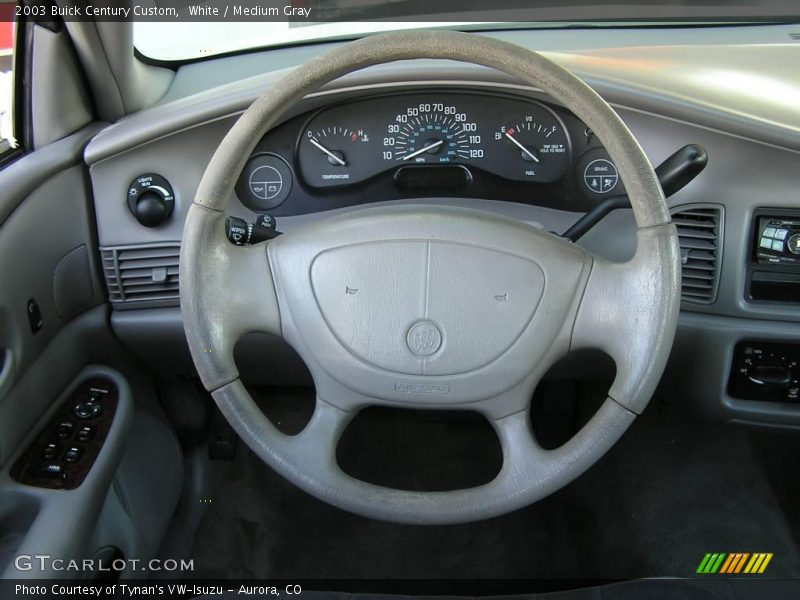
(334, 141)
(333, 154)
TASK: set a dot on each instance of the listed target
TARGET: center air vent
(700, 235)
(142, 274)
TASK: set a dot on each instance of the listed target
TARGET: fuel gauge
(533, 147)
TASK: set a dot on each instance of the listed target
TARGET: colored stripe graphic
(741, 562)
(711, 563)
(734, 563)
(758, 563)
(727, 564)
(737, 562)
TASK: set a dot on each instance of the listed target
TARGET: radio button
(794, 243)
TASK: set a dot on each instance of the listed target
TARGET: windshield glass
(178, 31)
(187, 40)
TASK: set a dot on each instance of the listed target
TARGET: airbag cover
(421, 307)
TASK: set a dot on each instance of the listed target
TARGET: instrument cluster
(518, 140)
(429, 144)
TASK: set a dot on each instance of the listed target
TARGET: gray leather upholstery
(424, 306)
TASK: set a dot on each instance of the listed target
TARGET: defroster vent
(146, 274)
(700, 232)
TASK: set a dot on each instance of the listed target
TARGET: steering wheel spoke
(531, 472)
(230, 288)
(629, 309)
(528, 473)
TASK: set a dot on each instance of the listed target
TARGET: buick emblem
(424, 338)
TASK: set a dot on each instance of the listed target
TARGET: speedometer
(432, 132)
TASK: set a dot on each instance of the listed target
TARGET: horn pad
(426, 307)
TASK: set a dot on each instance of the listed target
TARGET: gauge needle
(425, 149)
(328, 152)
(521, 147)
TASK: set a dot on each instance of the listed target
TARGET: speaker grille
(73, 290)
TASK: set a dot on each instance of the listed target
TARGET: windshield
(179, 31)
(187, 40)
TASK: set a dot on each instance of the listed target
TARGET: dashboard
(445, 143)
(437, 132)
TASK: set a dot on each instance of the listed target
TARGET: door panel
(55, 340)
(49, 276)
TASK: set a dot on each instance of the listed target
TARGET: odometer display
(431, 132)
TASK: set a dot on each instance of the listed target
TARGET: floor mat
(667, 493)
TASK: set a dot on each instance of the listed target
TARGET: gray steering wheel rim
(638, 300)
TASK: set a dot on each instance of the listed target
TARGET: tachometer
(432, 132)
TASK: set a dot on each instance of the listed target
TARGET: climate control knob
(770, 372)
(151, 199)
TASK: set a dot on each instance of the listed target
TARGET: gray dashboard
(737, 99)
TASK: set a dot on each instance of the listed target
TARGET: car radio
(773, 270)
(778, 240)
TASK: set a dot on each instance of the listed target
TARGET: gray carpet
(669, 492)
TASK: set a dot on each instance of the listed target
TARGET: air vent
(142, 274)
(700, 235)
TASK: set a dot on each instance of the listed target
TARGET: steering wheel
(429, 307)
